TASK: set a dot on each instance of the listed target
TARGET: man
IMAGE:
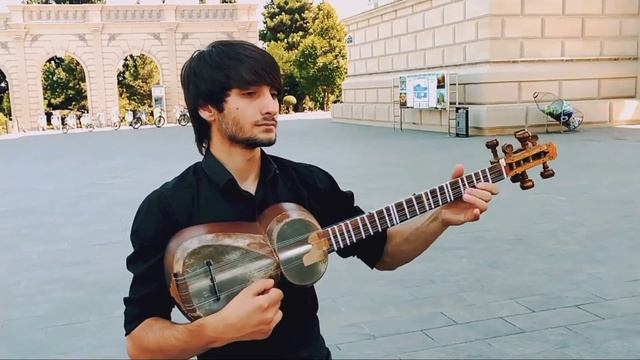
(231, 90)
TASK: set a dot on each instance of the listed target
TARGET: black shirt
(206, 192)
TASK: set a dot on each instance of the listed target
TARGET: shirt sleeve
(148, 294)
(337, 205)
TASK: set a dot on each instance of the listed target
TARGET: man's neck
(242, 163)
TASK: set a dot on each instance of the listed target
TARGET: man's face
(250, 117)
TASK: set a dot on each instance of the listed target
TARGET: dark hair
(210, 74)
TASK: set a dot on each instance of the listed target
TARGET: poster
(424, 91)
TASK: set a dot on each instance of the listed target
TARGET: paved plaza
(552, 272)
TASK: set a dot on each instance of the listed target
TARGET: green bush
(289, 100)
(4, 124)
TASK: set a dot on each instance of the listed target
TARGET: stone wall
(585, 51)
(100, 36)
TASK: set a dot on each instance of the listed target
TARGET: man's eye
(249, 93)
(274, 95)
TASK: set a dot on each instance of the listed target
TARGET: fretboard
(353, 230)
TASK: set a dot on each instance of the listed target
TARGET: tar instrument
(207, 265)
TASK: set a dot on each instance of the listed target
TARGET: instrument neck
(353, 230)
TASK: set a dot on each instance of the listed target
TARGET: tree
(135, 80)
(321, 60)
(286, 21)
(5, 103)
(290, 84)
(64, 84)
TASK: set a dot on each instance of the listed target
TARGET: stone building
(585, 51)
(100, 37)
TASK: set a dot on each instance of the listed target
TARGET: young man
(231, 89)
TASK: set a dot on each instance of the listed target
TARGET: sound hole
(291, 245)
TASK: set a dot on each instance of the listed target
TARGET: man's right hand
(251, 315)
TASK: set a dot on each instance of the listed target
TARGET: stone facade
(100, 36)
(585, 51)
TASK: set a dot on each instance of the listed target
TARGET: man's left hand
(474, 202)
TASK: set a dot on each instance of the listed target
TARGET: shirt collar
(222, 177)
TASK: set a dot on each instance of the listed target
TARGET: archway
(136, 75)
(5, 104)
(64, 87)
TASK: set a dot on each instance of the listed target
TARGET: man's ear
(208, 113)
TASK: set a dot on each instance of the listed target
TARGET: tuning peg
(533, 140)
(523, 137)
(507, 149)
(525, 182)
(546, 172)
(493, 146)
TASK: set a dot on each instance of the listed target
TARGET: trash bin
(462, 121)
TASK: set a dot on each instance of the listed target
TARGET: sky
(345, 8)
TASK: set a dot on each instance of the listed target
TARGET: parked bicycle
(115, 118)
(56, 120)
(86, 123)
(182, 115)
(139, 119)
(70, 122)
(159, 118)
(42, 122)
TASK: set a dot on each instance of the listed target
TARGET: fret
(446, 195)
(426, 204)
(377, 221)
(384, 211)
(361, 228)
(415, 204)
(395, 210)
(475, 182)
(392, 211)
(346, 236)
(448, 186)
(333, 241)
(353, 236)
(439, 198)
(366, 220)
(337, 235)
(432, 206)
(488, 176)
(465, 181)
(461, 188)
(404, 202)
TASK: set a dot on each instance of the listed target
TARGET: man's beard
(235, 135)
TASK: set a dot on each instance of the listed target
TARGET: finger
(276, 318)
(274, 295)
(480, 194)
(492, 188)
(458, 171)
(260, 286)
(478, 203)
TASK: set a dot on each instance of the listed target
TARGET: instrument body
(207, 265)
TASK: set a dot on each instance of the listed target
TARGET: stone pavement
(547, 273)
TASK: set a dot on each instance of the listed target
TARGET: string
(456, 194)
(405, 215)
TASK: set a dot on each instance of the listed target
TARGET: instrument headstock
(529, 155)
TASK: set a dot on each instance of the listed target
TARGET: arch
(61, 52)
(85, 69)
(124, 53)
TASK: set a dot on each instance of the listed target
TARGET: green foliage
(285, 59)
(5, 105)
(321, 60)
(4, 124)
(289, 100)
(5, 102)
(285, 21)
(135, 80)
(64, 84)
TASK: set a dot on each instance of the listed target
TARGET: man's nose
(270, 104)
